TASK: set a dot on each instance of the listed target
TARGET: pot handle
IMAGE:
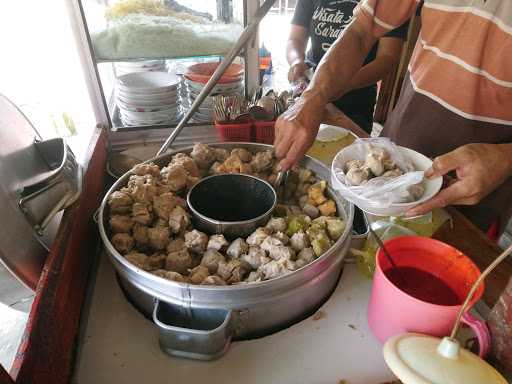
(193, 333)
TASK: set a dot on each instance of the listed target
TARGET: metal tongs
(280, 184)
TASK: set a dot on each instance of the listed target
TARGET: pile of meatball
(151, 227)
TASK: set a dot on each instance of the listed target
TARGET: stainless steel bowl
(250, 309)
(234, 205)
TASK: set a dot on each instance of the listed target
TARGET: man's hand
(297, 71)
(479, 168)
(296, 130)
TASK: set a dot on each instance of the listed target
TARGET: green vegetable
(295, 224)
(335, 228)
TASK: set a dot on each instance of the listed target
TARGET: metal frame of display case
(121, 137)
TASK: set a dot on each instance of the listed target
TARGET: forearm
(339, 65)
(373, 72)
(295, 51)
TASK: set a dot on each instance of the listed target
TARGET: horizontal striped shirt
(459, 84)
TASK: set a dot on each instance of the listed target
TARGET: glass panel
(135, 29)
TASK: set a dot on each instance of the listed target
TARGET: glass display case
(141, 51)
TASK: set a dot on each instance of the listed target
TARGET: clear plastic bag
(378, 192)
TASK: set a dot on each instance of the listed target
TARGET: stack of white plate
(148, 98)
(192, 89)
(122, 68)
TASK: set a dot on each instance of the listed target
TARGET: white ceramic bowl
(420, 163)
(148, 81)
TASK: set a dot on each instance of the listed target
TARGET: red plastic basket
(264, 131)
(234, 132)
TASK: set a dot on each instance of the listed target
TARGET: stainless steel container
(250, 309)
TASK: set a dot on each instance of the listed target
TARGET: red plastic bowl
(202, 72)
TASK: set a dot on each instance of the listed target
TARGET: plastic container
(264, 131)
(234, 132)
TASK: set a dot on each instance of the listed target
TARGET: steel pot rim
(112, 252)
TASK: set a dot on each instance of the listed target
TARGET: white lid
(422, 359)
(329, 133)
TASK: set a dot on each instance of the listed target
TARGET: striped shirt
(459, 85)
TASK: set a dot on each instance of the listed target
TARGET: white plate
(148, 93)
(146, 99)
(134, 108)
(149, 81)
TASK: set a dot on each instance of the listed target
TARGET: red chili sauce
(423, 286)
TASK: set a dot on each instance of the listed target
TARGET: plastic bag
(378, 192)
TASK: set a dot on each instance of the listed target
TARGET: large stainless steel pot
(199, 321)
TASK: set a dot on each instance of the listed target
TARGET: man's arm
(296, 52)
(386, 59)
(297, 127)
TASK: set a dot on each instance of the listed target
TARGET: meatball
(164, 204)
(277, 224)
(213, 280)
(123, 242)
(159, 237)
(143, 190)
(258, 236)
(146, 169)
(282, 252)
(203, 155)
(179, 261)
(121, 224)
(155, 261)
(175, 176)
(270, 243)
(239, 272)
(198, 274)
(179, 220)
(224, 269)
(233, 164)
(171, 275)
(299, 241)
(120, 202)
(283, 237)
(237, 248)
(277, 268)
(221, 154)
(307, 254)
(243, 154)
(254, 277)
(175, 245)
(186, 162)
(311, 210)
(256, 257)
(262, 161)
(196, 241)
(140, 235)
(217, 242)
(140, 260)
(142, 213)
(211, 260)
(217, 168)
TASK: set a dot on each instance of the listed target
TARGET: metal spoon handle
(228, 59)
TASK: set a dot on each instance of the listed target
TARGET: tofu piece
(171, 275)
(237, 248)
(123, 242)
(142, 213)
(277, 224)
(217, 242)
(164, 204)
(299, 241)
(146, 169)
(120, 202)
(180, 261)
(186, 162)
(140, 235)
(213, 280)
(243, 154)
(198, 274)
(175, 176)
(176, 245)
(258, 236)
(328, 208)
(256, 257)
(159, 237)
(211, 260)
(179, 220)
(196, 241)
(262, 161)
(121, 223)
(316, 193)
(203, 155)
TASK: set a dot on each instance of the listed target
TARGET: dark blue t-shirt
(325, 21)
